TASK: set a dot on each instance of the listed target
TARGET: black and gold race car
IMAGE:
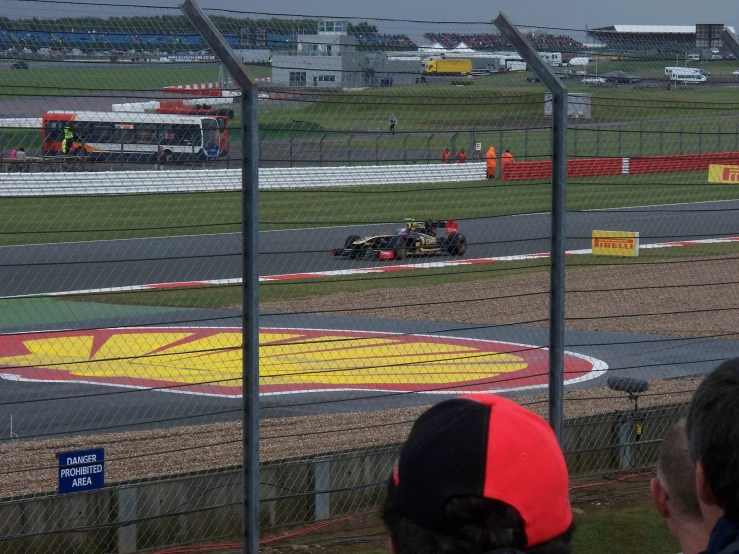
(417, 238)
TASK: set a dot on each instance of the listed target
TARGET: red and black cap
(485, 446)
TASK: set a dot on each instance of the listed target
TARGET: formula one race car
(417, 238)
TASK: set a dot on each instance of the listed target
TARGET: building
(331, 59)
(667, 39)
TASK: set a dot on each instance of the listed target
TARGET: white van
(682, 71)
(687, 77)
(693, 57)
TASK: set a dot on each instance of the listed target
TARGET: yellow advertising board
(723, 174)
(615, 243)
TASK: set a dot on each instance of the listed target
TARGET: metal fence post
(526, 144)
(718, 137)
(428, 147)
(574, 146)
(700, 138)
(681, 139)
(641, 139)
(597, 143)
(405, 149)
(454, 145)
(661, 139)
(290, 162)
(250, 280)
(559, 188)
(377, 149)
(320, 150)
(472, 144)
(349, 149)
(619, 143)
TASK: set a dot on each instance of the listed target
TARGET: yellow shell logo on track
(208, 361)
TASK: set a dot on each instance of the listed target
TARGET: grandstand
(658, 39)
(490, 41)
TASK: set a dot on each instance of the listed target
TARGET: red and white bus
(136, 136)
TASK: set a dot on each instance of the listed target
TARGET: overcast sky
(538, 13)
(555, 13)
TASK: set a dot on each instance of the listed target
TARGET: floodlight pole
(559, 212)
(250, 281)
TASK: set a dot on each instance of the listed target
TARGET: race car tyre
(400, 252)
(457, 245)
(350, 239)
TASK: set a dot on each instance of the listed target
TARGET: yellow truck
(448, 67)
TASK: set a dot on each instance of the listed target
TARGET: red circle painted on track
(207, 361)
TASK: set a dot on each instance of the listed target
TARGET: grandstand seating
(490, 41)
(118, 40)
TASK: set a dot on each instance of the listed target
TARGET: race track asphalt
(51, 409)
(38, 269)
(45, 410)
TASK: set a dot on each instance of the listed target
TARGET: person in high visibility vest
(506, 161)
(490, 161)
(445, 156)
(462, 156)
(68, 140)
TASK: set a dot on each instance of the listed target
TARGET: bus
(142, 137)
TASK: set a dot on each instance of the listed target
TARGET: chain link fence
(404, 217)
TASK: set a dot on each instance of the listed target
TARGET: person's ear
(703, 487)
(659, 498)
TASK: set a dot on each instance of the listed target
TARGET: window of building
(327, 78)
(297, 78)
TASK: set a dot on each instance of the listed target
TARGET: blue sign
(83, 470)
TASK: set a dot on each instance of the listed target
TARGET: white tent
(462, 48)
(434, 48)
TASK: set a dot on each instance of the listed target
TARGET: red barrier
(683, 162)
(593, 167)
(583, 167)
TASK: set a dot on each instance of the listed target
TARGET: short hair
(713, 433)
(676, 471)
(474, 525)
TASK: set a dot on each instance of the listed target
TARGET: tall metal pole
(558, 234)
(250, 256)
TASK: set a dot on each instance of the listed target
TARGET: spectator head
(674, 493)
(713, 439)
(21, 149)
(478, 474)
(507, 151)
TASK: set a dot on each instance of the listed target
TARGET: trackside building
(330, 59)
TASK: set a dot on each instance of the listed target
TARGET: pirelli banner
(615, 243)
(728, 174)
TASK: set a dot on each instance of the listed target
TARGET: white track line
(355, 271)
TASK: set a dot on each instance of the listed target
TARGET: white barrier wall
(133, 182)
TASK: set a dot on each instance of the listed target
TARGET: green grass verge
(42, 220)
(66, 79)
(230, 296)
(615, 531)
(21, 312)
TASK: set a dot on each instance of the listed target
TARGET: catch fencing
(129, 261)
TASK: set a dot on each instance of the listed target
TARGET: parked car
(19, 65)
(736, 73)
(533, 79)
(705, 73)
(593, 81)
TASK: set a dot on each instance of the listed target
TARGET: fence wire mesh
(418, 154)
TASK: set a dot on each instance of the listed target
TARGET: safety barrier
(219, 180)
(594, 167)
